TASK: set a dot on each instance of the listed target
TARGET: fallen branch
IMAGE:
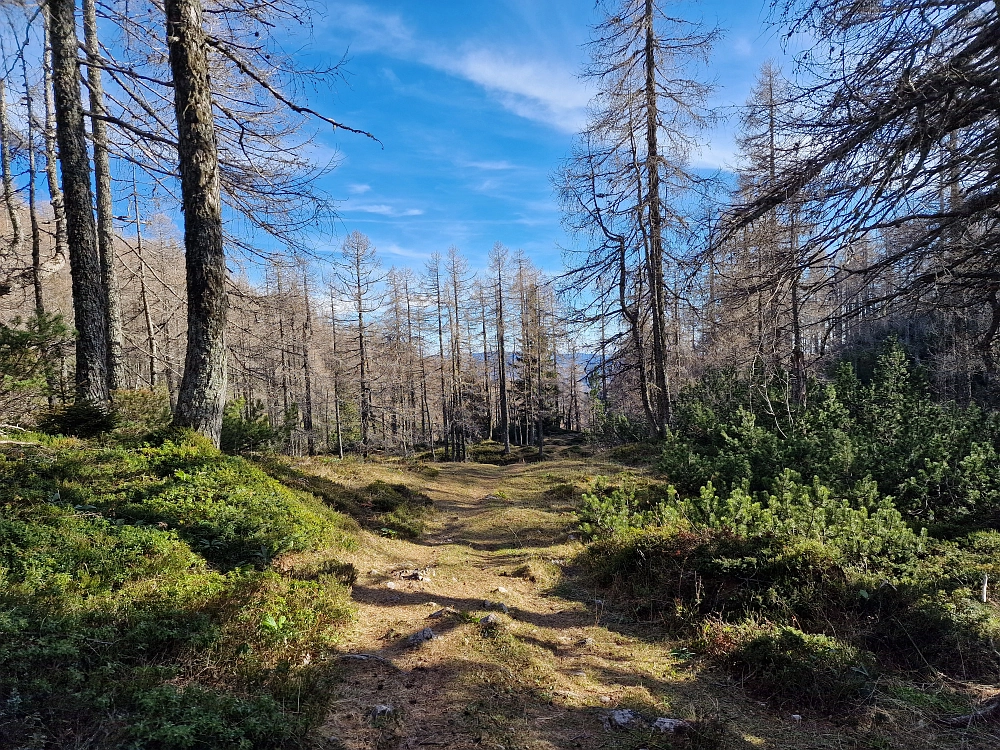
(987, 712)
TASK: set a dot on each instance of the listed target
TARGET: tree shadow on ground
(488, 695)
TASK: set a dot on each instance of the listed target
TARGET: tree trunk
(51, 174)
(202, 393)
(89, 300)
(307, 415)
(13, 250)
(336, 375)
(655, 259)
(105, 206)
(436, 270)
(540, 409)
(147, 314)
(487, 395)
(36, 233)
(798, 355)
(366, 407)
(502, 366)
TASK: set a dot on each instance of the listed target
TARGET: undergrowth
(388, 508)
(140, 607)
(818, 550)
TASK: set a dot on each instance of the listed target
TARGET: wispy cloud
(383, 210)
(533, 87)
(490, 166)
(743, 47)
(541, 90)
(370, 29)
(358, 189)
(404, 252)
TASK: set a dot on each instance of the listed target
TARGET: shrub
(487, 452)
(399, 510)
(108, 603)
(140, 412)
(171, 717)
(246, 428)
(940, 462)
(803, 670)
(28, 347)
(79, 419)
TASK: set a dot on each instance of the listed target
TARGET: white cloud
(490, 166)
(742, 47)
(403, 252)
(718, 153)
(384, 210)
(369, 29)
(358, 189)
(536, 89)
(544, 90)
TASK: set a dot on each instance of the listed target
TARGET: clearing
(561, 657)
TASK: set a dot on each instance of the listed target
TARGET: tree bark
(13, 250)
(55, 191)
(147, 313)
(655, 259)
(502, 365)
(105, 206)
(202, 393)
(336, 375)
(89, 300)
(307, 414)
(36, 233)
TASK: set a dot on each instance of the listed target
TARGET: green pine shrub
(812, 585)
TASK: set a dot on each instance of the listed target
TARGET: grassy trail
(559, 660)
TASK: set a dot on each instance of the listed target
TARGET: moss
(138, 604)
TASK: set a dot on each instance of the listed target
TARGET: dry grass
(545, 675)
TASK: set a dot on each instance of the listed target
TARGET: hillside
(173, 597)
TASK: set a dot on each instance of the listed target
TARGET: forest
(731, 473)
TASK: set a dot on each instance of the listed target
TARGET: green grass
(391, 509)
(139, 606)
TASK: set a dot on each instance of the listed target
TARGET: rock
(579, 673)
(442, 613)
(499, 590)
(670, 726)
(796, 718)
(374, 572)
(382, 711)
(498, 606)
(421, 636)
(622, 718)
(391, 584)
(490, 619)
(605, 699)
(586, 642)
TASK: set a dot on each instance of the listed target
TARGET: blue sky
(476, 104)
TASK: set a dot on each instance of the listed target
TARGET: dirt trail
(559, 659)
